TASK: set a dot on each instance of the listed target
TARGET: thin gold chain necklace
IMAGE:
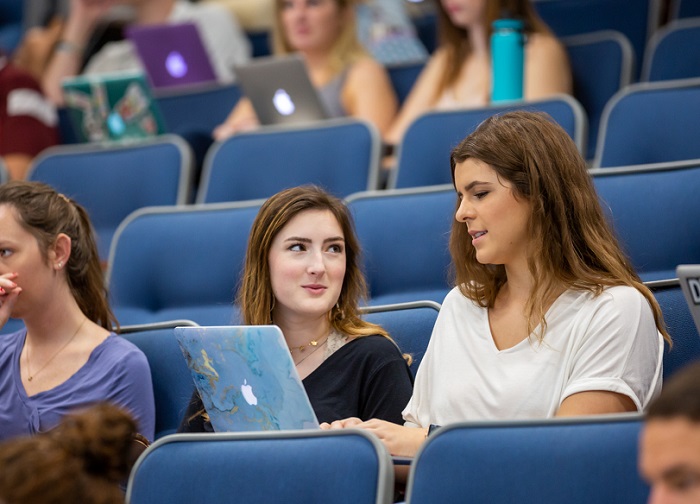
(30, 375)
(302, 348)
(316, 347)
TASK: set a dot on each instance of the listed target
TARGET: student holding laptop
(348, 80)
(302, 274)
(224, 40)
(547, 318)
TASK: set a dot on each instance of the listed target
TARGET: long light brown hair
(347, 48)
(45, 214)
(455, 40)
(573, 245)
(255, 296)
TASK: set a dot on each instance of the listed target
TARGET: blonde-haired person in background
(349, 81)
(302, 273)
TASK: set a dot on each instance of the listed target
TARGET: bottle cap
(508, 24)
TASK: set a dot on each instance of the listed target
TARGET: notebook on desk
(111, 107)
(246, 378)
(689, 276)
(280, 90)
(172, 54)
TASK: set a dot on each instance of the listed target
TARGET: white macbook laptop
(689, 275)
(280, 90)
(246, 378)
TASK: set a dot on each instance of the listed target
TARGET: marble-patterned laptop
(246, 378)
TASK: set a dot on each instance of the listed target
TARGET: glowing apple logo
(175, 65)
(283, 102)
(248, 395)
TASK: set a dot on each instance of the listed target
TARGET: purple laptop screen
(172, 54)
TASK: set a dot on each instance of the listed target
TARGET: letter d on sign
(694, 286)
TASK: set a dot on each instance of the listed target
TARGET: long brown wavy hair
(347, 48)
(255, 296)
(455, 40)
(573, 243)
(45, 214)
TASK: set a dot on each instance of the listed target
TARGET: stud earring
(60, 264)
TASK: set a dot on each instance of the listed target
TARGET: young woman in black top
(302, 273)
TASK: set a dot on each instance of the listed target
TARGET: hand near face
(399, 440)
(9, 291)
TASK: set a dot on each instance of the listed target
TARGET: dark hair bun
(101, 437)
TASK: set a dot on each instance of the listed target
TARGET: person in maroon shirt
(28, 121)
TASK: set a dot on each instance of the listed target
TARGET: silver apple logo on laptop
(283, 102)
(176, 65)
(248, 394)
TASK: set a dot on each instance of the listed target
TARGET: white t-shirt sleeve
(621, 349)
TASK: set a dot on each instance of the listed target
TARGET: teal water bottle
(507, 60)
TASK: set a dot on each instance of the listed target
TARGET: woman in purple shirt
(67, 357)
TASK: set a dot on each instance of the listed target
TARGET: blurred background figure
(349, 81)
(224, 40)
(28, 121)
(458, 74)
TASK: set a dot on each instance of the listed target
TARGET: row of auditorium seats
(650, 207)
(555, 461)
(646, 124)
(405, 251)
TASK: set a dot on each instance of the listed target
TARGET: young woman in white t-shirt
(548, 317)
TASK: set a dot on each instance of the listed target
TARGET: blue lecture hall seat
(403, 77)
(636, 19)
(424, 152)
(683, 9)
(672, 52)
(172, 379)
(340, 155)
(649, 123)
(653, 210)
(11, 29)
(404, 236)
(180, 263)
(111, 180)
(410, 324)
(601, 64)
(296, 467)
(572, 460)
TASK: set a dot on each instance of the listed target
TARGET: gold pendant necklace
(316, 347)
(30, 375)
(302, 348)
